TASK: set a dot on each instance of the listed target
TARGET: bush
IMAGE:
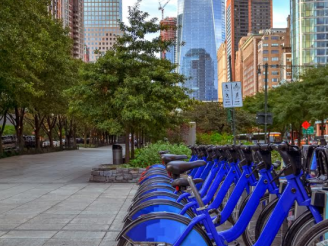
(214, 138)
(149, 155)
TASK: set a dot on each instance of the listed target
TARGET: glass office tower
(309, 33)
(101, 25)
(202, 30)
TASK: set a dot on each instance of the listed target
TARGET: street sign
(260, 118)
(306, 125)
(232, 95)
(308, 131)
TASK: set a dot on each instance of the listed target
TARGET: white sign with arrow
(232, 95)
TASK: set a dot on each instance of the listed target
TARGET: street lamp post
(266, 102)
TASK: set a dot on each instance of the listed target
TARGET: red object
(306, 125)
(177, 188)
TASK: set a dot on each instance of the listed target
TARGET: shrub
(149, 155)
(214, 138)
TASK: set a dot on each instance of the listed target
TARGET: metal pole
(266, 102)
(232, 111)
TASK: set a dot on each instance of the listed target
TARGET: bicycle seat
(182, 182)
(162, 152)
(179, 167)
(166, 158)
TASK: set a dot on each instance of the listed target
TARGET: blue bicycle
(174, 229)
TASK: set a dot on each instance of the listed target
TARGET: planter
(108, 173)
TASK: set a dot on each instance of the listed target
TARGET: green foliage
(211, 116)
(9, 130)
(149, 155)
(129, 89)
(296, 102)
(214, 138)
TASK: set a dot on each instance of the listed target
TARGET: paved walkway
(47, 200)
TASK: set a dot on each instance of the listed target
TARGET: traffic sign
(260, 118)
(308, 131)
(232, 95)
(306, 125)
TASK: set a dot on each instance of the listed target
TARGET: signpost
(232, 95)
(307, 129)
(232, 98)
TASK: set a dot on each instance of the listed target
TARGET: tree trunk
(85, 137)
(292, 135)
(74, 135)
(299, 135)
(2, 130)
(19, 126)
(132, 144)
(127, 146)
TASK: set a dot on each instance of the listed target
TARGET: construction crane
(161, 7)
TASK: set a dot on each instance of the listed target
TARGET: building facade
(169, 34)
(309, 33)
(249, 51)
(72, 15)
(101, 25)
(202, 37)
(243, 17)
(222, 68)
(271, 50)
(239, 61)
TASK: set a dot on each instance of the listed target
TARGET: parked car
(46, 144)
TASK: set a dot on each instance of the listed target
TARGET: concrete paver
(46, 200)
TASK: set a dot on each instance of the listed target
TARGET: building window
(274, 51)
(274, 37)
(265, 45)
(265, 52)
(274, 45)
(275, 59)
(274, 80)
(275, 73)
(265, 59)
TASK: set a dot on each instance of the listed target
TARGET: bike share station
(183, 203)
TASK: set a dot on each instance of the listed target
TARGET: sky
(280, 10)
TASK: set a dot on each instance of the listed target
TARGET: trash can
(117, 154)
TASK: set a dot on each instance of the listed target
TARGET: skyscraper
(169, 34)
(202, 30)
(242, 17)
(71, 14)
(309, 28)
(101, 25)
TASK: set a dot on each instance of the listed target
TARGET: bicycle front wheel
(317, 235)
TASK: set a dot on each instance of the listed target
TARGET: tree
(130, 89)
(211, 116)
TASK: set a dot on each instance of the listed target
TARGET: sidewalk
(46, 200)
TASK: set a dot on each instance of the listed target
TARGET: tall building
(270, 50)
(169, 34)
(242, 17)
(71, 14)
(239, 61)
(309, 33)
(222, 68)
(101, 25)
(202, 30)
(249, 51)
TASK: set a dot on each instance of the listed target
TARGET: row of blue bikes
(265, 202)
